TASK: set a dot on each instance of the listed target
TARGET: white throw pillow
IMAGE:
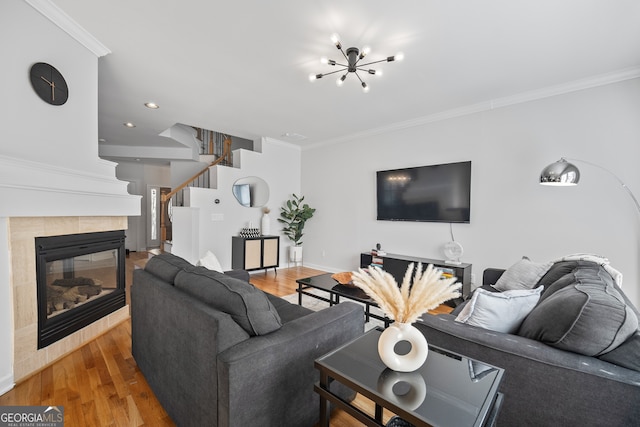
(524, 274)
(210, 262)
(499, 311)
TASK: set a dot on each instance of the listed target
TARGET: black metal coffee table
(335, 291)
(448, 390)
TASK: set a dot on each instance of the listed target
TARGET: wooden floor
(100, 384)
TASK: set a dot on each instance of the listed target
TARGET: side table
(448, 390)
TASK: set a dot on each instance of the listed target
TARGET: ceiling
(242, 67)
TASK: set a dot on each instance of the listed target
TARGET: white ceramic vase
(265, 224)
(395, 333)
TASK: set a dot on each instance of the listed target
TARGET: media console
(396, 265)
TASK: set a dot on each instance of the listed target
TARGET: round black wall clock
(49, 84)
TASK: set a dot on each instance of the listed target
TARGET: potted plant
(294, 215)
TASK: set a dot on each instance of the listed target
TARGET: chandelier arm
(624, 186)
(333, 72)
(374, 62)
(358, 76)
(343, 54)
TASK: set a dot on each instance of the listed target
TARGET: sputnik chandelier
(353, 55)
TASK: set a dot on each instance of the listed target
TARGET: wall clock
(49, 84)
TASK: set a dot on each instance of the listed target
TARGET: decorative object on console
(405, 304)
(453, 251)
(265, 221)
(343, 278)
(562, 173)
(249, 232)
(353, 56)
(294, 215)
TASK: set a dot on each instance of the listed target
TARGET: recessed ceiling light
(151, 105)
(129, 125)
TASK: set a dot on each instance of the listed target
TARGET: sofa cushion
(248, 306)
(581, 312)
(166, 266)
(626, 354)
(524, 274)
(499, 311)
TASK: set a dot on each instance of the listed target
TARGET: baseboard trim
(6, 383)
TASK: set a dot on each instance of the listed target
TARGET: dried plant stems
(409, 301)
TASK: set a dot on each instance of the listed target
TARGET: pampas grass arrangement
(406, 303)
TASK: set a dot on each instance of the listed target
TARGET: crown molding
(586, 83)
(56, 15)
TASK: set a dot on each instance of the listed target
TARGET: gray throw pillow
(524, 274)
(248, 306)
(581, 312)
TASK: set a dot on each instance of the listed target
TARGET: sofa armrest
(491, 275)
(268, 380)
(175, 338)
(550, 386)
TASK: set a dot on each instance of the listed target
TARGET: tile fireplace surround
(21, 233)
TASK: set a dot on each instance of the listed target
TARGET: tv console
(396, 265)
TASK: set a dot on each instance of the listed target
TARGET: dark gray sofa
(217, 351)
(544, 385)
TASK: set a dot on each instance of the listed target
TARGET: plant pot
(295, 253)
(391, 336)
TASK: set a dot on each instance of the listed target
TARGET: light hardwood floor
(100, 384)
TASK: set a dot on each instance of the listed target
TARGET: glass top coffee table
(335, 291)
(448, 390)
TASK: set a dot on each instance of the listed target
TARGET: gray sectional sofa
(546, 384)
(217, 351)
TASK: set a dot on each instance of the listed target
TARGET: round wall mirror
(251, 192)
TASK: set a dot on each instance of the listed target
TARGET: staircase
(175, 197)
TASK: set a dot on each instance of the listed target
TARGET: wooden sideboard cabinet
(255, 253)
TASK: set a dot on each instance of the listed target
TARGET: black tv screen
(434, 193)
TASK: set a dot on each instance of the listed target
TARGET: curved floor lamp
(563, 173)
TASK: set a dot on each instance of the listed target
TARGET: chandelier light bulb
(312, 77)
(399, 56)
(365, 51)
(378, 73)
(340, 80)
(324, 60)
(335, 38)
(365, 88)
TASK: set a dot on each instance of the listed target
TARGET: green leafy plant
(294, 215)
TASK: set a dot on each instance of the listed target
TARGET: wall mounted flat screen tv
(434, 193)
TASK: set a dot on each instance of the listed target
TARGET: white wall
(511, 214)
(278, 164)
(49, 164)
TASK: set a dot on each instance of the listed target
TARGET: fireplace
(80, 279)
